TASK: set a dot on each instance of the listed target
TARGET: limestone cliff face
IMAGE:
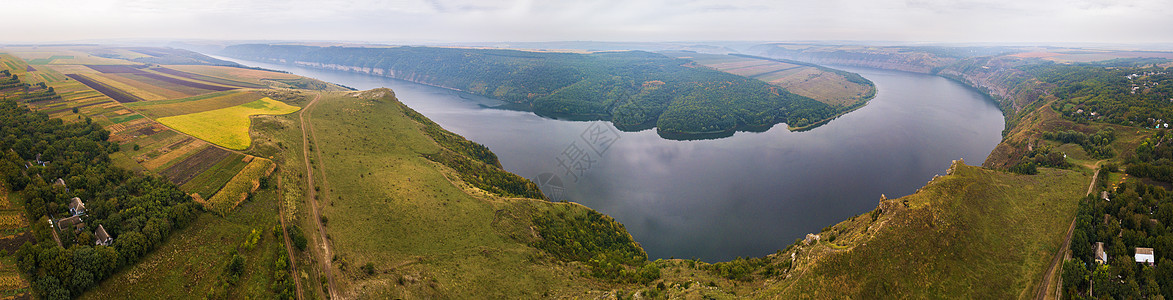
(392, 73)
(1000, 78)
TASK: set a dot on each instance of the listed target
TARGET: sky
(437, 21)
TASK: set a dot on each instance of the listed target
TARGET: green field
(125, 118)
(196, 104)
(226, 127)
(209, 182)
(981, 233)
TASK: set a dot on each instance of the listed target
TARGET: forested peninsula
(635, 90)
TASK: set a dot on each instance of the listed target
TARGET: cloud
(610, 20)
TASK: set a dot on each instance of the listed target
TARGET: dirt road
(307, 133)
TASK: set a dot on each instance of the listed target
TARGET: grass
(229, 126)
(980, 233)
(201, 103)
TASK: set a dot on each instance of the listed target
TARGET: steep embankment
(1001, 78)
(980, 233)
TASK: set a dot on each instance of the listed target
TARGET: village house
(1145, 255)
(76, 207)
(1101, 256)
(73, 222)
(101, 238)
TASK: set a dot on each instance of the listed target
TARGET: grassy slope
(414, 220)
(980, 233)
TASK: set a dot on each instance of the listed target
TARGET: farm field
(240, 186)
(825, 85)
(228, 127)
(216, 167)
(196, 104)
(14, 231)
(236, 74)
(216, 80)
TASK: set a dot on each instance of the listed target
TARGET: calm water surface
(745, 195)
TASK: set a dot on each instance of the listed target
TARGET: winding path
(307, 134)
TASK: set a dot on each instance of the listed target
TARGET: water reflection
(746, 195)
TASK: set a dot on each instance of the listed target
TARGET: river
(746, 195)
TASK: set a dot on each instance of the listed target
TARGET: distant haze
(424, 21)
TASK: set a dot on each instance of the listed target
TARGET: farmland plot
(227, 127)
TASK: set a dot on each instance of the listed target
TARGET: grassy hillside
(403, 226)
(979, 233)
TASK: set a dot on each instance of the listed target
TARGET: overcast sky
(421, 21)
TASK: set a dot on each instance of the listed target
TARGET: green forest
(1133, 215)
(635, 90)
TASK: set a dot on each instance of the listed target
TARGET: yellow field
(227, 127)
(11, 219)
